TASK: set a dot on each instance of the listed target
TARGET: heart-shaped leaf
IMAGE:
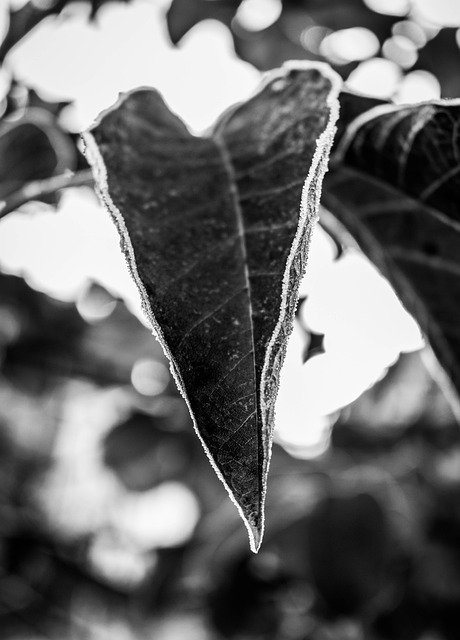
(215, 231)
(395, 186)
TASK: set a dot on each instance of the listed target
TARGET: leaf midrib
(235, 195)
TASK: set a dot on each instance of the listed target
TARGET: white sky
(364, 323)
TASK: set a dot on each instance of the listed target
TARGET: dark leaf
(20, 97)
(45, 340)
(337, 14)
(348, 542)
(406, 395)
(213, 236)
(441, 57)
(314, 346)
(268, 48)
(183, 15)
(32, 148)
(395, 186)
(353, 105)
(314, 342)
(287, 37)
(147, 450)
(23, 101)
(251, 587)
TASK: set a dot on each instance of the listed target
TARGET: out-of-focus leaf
(406, 395)
(32, 148)
(46, 332)
(46, 340)
(314, 347)
(337, 14)
(102, 339)
(251, 587)
(441, 57)
(212, 232)
(22, 102)
(269, 48)
(348, 541)
(20, 97)
(146, 450)
(314, 342)
(395, 186)
(183, 15)
(286, 38)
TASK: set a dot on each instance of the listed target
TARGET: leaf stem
(39, 188)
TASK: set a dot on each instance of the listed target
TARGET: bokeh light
(255, 15)
(376, 77)
(418, 86)
(347, 45)
(411, 30)
(389, 7)
(444, 13)
(312, 37)
(149, 377)
(162, 517)
(401, 50)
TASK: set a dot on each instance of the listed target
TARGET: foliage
(361, 542)
(229, 241)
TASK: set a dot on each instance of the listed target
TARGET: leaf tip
(256, 533)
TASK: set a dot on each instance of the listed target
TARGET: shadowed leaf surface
(353, 105)
(405, 396)
(32, 147)
(348, 550)
(183, 15)
(395, 186)
(314, 342)
(43, 340)
(213, 235)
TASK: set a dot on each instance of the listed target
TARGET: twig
(39, 188)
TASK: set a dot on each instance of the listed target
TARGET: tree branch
(39, 188)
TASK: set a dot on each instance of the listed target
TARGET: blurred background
(112, 523)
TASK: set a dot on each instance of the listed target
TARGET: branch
(40, 188)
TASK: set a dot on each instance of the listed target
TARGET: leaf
(43, 340)
(406, 396)
(287, 37)
(352, 105)
(349, 547)
(214, 239)
(32, 147)
(314, 342)
(20, 97)
(146, 450)
(183, 15)
(395, 186)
